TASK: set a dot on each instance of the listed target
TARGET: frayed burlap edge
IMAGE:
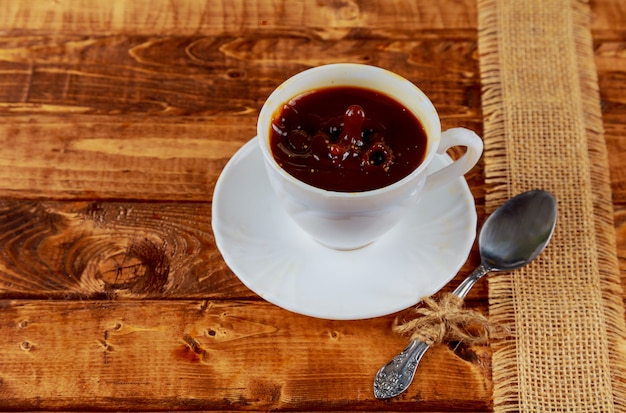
(608, 265)
(507, 397)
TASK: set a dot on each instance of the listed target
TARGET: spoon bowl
(513, 236)
(517, 232)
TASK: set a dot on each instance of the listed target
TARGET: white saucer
(278, 261)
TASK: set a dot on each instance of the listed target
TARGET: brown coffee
(347, 139)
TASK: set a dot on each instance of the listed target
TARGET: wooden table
(116, 119)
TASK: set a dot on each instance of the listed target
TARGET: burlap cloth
(543, 129)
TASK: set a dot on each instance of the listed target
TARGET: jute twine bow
(446, 320)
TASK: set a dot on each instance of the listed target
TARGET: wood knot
(138, 268)
(142, 269)
(192, 350)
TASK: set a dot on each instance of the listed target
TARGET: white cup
(351, 220)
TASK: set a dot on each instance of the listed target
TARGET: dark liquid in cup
(347, 139)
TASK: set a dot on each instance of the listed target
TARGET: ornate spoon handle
(395, 377)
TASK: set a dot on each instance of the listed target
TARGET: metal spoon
(514, 235)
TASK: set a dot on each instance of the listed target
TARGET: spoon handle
(395, 377)
(467, 284)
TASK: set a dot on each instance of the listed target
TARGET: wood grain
(212, 355)
(157, 118)
(325, 18)
(116, 120)
(111, 250)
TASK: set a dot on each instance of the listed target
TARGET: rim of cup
(352, 74)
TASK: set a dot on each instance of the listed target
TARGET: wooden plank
(607, 18)
(608, 25)
(90, 158)
(180, 73)
(326, 18)
(157, 118)
(113, 250)
(214, 355)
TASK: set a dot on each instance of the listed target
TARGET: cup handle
(456, 137)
